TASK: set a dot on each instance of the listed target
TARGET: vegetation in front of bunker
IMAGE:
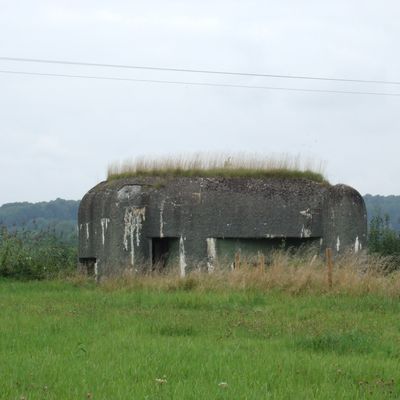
(383, 240)
(28, 255)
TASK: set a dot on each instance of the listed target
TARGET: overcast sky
(57, 135)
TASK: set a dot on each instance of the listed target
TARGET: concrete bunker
(147, 223)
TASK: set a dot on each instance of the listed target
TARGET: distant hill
(61, 215)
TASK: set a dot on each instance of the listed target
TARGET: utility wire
(227, 85)
(201, 71)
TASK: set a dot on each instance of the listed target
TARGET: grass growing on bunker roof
(220, 165)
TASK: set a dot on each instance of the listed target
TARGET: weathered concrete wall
(345, 220)
(120, 221)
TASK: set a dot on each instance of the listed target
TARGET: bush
(382, 239)
(32, 255)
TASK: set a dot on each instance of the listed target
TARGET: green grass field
(61, 340)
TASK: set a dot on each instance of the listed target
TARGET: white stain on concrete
(357, 246)
(197, 196)
(87, 230)
(133, 219)
(182, 257)
(321, 242)
(162, 218)
(128, 192)
(306, 213)
(338, 244)
(104, 225)
(96, 270)
(211, 254)
(305, 232)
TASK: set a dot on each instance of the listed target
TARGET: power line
(187, 83)
(201, 71)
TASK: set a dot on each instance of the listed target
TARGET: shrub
(382, 239)
(32, 255)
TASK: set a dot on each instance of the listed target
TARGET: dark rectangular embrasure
(88, 265)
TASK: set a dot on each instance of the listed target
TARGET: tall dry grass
(220, 164)
(295, 274)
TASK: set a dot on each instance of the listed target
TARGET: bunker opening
(231, 251)
(164, 252)
(88, 265)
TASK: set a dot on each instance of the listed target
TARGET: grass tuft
(341, 343)
(219, 165)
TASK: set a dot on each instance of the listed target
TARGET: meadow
(247, 335)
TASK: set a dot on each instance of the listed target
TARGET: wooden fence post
(329, 265)
(260, 261)
(237, 260)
